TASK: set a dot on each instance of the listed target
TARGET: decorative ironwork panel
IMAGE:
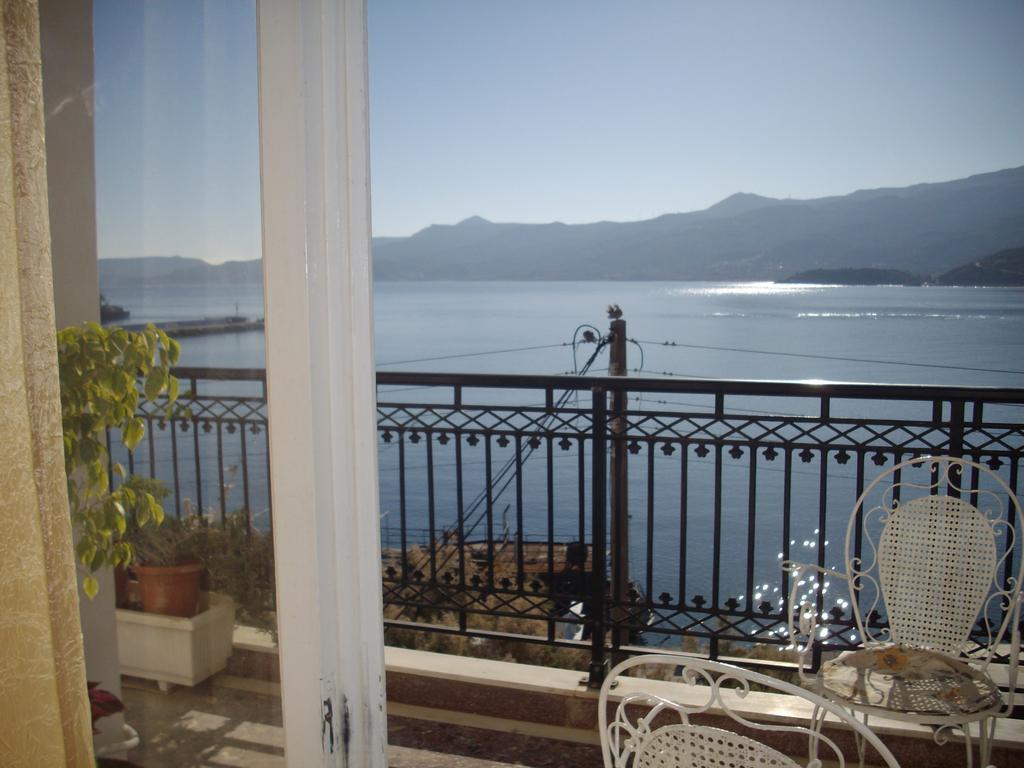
(212, 454)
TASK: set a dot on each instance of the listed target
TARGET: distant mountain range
(925, 230)
(174, 271)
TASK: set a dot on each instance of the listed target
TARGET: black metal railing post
(599, 504)
(956, 443)
(956, 428)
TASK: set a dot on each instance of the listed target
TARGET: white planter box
(169, 649)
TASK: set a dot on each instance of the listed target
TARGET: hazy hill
(1003, 268)
(175, 270)
(926, 229)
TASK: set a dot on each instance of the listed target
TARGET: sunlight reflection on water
(890, 315)
(746, 289)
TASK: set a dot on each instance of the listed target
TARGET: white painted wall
(66, 36)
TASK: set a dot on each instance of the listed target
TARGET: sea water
(891, 334)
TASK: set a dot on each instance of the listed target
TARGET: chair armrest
(802, 620)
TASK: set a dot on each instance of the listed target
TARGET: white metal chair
(930, 558)
(652, 727)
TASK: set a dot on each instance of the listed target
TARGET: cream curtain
(44, 709)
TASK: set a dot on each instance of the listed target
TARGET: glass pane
(177, 221)
(732, 187)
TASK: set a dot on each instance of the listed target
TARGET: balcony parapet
(555, 705)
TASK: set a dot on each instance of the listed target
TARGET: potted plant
(100, 370)
(239, 560)
(181, 635)
(126, 587)
(167, 567)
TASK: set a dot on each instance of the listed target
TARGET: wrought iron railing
(213, 455)
(664, 507)
(602, 514)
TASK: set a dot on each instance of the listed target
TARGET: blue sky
(572, 111)
(177, 132)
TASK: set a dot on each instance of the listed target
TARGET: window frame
(315, 193)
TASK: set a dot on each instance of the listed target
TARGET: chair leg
(817, 721)
(969, 746)
(986, 734)
(861, 743)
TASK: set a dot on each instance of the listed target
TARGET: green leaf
(155, 509)
(121, 383)
(90, 586)
(89, 450)
(133, 432)
(172, 389)
(142, 510)
(155, 383)
(81, 548)
(88, 553)
(121, 520)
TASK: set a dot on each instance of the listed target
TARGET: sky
(569, 110)
(177, 129)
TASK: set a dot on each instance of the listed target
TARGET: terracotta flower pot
(170, 591)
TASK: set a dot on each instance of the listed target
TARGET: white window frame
(314, 154)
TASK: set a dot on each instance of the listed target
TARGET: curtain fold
(44, 709)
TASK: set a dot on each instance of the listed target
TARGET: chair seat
(907, 680)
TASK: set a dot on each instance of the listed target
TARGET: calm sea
(884, 333)
(965, 336)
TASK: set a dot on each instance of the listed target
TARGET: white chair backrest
(701, 746)
(933, 549)
(650, 726)
(936, 559)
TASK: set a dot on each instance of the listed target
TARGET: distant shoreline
(865, 277)
(203, 327)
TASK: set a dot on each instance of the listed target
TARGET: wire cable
(731, 408)
(828, 357)
(505, 475)
(673, 373)
(593, 337)
(529, 449)
(639, 346)
(474, 354)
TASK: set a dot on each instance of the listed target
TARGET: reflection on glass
(178, 242)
